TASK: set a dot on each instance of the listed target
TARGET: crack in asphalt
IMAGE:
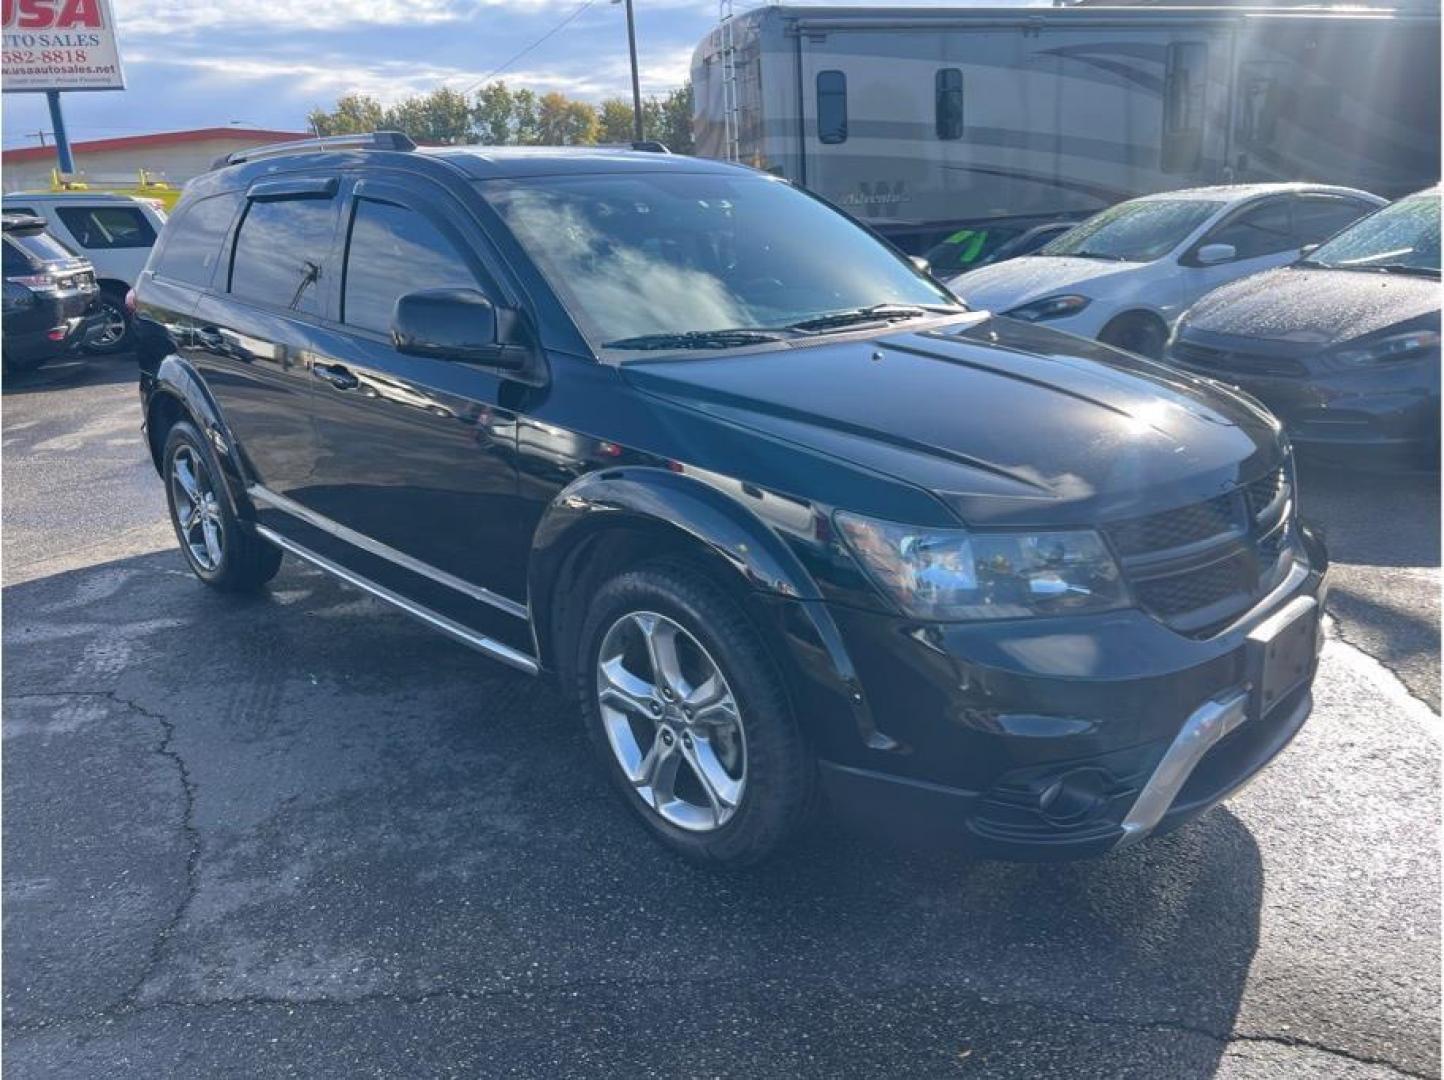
(166, 749)
(133, 1008)
(131, 1003)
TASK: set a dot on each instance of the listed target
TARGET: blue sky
(265, 63)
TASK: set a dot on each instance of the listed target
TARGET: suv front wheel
(688, 713)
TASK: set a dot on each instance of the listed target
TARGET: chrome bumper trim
(1207, 724)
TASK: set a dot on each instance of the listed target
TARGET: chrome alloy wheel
(672, 721)
(197, 508)
(110, 327)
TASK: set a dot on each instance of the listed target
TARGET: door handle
(338, 375)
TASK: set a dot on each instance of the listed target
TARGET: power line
(554, 30)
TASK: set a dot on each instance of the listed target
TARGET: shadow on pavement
(72, 371)
(356, 841)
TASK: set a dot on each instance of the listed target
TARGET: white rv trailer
(923, 121)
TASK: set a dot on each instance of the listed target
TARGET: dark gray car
(1343, 345)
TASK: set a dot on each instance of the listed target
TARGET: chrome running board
(452, 629)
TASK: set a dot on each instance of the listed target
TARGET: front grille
(1175, 528)
(1180, 594)
(1234, 361)
(1198, 566)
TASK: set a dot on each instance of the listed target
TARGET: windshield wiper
(1405, 268)
(1093, 255)
(875, 313)
(736, 338)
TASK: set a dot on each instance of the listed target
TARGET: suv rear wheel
(689, 716)
(218, 549)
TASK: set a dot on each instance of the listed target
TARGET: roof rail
(374, 140)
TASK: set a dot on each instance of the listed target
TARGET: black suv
(787, 518)
(49, 294)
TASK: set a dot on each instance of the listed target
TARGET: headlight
(1054, 307)
(952, 574)
(1384, 350)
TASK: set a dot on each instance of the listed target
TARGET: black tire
(780, 770)
(245, 561)
(111, 303)
(1137, 333)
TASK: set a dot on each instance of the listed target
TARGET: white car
(115, 232)
(1126, 274)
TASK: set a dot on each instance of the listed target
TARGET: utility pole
(57, 123)
(636, 81)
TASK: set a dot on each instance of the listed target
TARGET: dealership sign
(60, 45)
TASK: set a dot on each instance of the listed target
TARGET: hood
(1311, 307)
(1006, 285)
(1004, 421)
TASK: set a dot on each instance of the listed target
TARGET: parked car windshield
(1138, 231)
(1403, 236)
(642, 259)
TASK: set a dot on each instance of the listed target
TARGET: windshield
(668, 253)
(1138, 231)
(1402, 236)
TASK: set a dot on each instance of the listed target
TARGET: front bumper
(1384, 407)
(1023, 741)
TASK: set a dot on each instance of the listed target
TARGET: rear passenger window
(1318, 217)
(948, 103)
(107, 226)
(281, 253)
(193, 239)
(392, 251)
(831, 107)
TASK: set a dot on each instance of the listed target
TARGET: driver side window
(1265, 229)
(394, 250)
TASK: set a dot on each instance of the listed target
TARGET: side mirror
(922, 264)
(459, 324)
(1213, 254)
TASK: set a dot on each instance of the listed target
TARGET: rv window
(831, 107)
(1185, 83)
(948, 97)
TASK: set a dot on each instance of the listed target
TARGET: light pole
(636, 81)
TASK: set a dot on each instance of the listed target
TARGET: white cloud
(323, 79)
(141, 18)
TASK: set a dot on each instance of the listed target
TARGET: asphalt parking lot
(300, 834)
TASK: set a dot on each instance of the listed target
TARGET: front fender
(825, 682)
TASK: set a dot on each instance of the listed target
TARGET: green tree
(525, 119)
(675, 126)
(493, 115)
(353, 114)
(615, 115)
(441, 117)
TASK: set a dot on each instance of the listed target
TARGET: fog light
(1074, 797)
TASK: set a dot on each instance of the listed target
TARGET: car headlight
(1053, 307)
(1385, 350)
(955, 574)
